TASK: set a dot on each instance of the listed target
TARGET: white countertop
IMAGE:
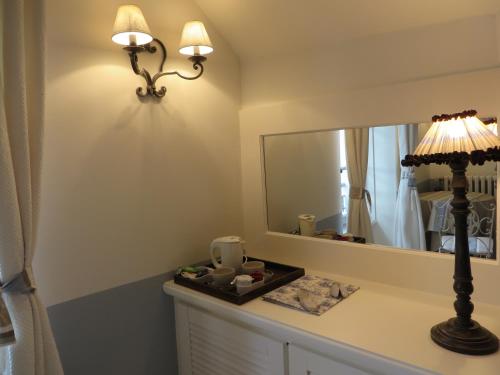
(387, 321)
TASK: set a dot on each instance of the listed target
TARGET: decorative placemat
(287, 295)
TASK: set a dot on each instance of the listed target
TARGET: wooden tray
(282, 274)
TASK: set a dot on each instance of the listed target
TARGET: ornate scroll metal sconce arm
(151, 89)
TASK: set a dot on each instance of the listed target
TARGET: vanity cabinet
(208, 344)
(215, 337)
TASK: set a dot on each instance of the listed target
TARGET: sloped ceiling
(257, 28)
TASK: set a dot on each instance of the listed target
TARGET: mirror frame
(411, 102)
(268, 216)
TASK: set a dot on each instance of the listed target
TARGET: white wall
(131, 189)
(381, 105)
(459, 46)
(498, 35)
(354, 68)
(302, 177)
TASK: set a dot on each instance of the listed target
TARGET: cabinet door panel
(303, 362)
(211, 345)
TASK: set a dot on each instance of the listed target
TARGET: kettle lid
(307, 217)
(229, 239)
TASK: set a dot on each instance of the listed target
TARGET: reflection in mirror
(349, 185)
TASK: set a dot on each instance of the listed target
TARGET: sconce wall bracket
(151, 89)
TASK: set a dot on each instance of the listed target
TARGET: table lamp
(457, 140)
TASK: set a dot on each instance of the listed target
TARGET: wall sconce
(132, 31)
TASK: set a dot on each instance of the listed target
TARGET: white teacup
(223, 275)
(253, 266)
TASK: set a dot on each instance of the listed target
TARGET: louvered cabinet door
(208, 345)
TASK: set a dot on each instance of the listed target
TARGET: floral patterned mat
(287, 295)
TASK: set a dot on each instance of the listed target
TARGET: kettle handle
(244, 253)
(213, 246)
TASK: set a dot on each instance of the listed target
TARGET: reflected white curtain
(358, 217)
(26, 343)
(408, 224)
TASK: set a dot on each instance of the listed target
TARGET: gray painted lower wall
(128, 330)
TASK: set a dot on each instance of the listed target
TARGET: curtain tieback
(360, 193)
(356, 192)
(408, 173)
(23, 282)
(412, 182)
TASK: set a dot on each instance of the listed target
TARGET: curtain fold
(358, 217)
(409, 230)
(30, 348)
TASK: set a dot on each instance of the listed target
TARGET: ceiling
(268, 27)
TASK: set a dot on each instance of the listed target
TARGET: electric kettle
(231, 250)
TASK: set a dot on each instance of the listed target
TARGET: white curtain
(408, 224)
(358, 217)
(30, 348)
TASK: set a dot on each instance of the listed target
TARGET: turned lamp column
(463, 275)
(462, 334)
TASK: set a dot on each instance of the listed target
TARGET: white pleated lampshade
(195, 40)
(130, 28)
(462, 132)
(492, 126)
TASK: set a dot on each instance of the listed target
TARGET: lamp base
(475, 340)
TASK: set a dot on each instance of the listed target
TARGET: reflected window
(344, 180)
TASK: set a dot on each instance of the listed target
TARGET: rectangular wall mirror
(314, 187)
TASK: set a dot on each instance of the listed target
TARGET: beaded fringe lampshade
(460, 132)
